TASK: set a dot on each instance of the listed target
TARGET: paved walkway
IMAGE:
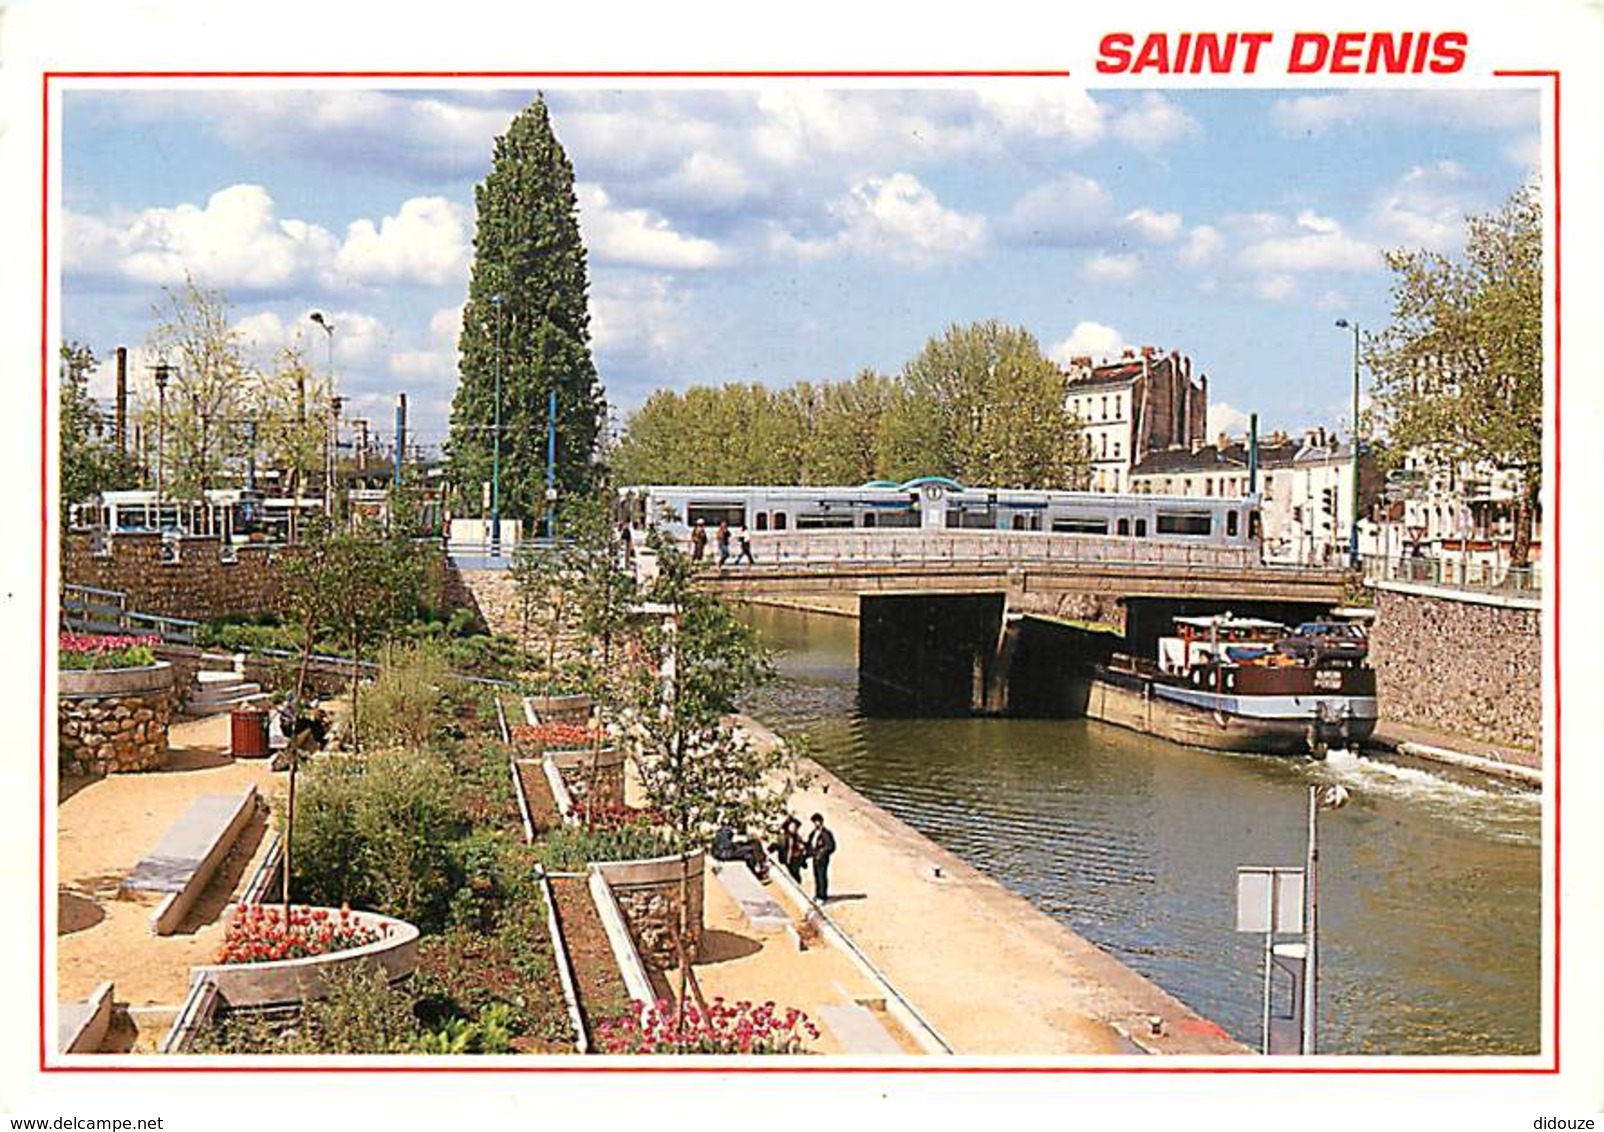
(1390, 734)
(986, 969)
(104, 828)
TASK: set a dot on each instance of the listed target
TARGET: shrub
(377, 833)
(742, 1028)
(406, 702)
(361, 1014)
(570, 848)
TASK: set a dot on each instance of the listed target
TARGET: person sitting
(729, 846)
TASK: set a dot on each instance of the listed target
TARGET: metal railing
(85, 609)
(1453, 573)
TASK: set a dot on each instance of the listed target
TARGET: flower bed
(258, 934)
(80, 651)
(602, 816)
(556, 736)
(743, 1027)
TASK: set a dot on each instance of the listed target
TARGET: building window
(1116, 407)
(1186, 487)
(1105, 408)
(1208, 485)
(1116, 449)
(1103, 437)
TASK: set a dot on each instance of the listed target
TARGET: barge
(1239, 684)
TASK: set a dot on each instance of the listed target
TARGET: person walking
(744, 538)
(626, 540)
(698, 541)
(723, 542)
(789, 848)
(821, 847)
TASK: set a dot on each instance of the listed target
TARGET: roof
(1120, 372)
(1211, 458)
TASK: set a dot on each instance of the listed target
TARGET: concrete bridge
(1080, 577)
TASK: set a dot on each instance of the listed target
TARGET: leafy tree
(86, 462)
(994, 407)
(526, 315)
(287, 409)
(207, 390)
(1459, 373)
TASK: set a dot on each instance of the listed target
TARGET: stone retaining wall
(204, 585)
(592, 774)
(113, 721)
(1460, 666)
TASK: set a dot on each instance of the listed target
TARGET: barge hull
(1133, 707)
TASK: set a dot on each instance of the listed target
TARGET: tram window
(1141, 528)
(897, 517)
(1230, 523)
(868, 518)
(823, 520)
(1199, 523)
(779, 520)
(1080, 526)
(713, 514)
(1123, 528)
(762, 521)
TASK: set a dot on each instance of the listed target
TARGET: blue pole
(400, 436)
(551, 462)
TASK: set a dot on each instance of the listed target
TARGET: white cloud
(1226, 418)
(894, 218)
(1107, 268)
(1068, 210)
(1092, 339)
(1048, 110)
(711, 179)
(425, 242)
(1203, 243)
(234, 241)
(1275, 288)
(1154, 123)
(644, 316)
(1426, 208)
(1469, 109)
(638, 236)
(437, 358)
(1311, 243)
(1156, 227)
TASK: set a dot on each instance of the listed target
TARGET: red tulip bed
(556, 736)
(91, 651)
(611, 816)
(742, 1027)
(258, 934)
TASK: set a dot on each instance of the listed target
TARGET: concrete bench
(188, 855)
(857, 1030)
(760, 909)
(81, 1026)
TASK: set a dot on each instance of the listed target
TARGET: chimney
(1127, 352)
(1197, 446)
(1083, 361)
(122, 400)
(1147, 351)
(1222, 442)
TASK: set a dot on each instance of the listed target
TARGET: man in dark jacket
(821, 846)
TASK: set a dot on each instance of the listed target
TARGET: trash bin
(249, 733)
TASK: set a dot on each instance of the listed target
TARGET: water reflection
(1430, 880)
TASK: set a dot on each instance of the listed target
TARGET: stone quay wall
(113, 721)
(1460, 666)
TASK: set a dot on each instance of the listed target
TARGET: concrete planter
(648, 893)
(560, 709)
(598, 772)
(113, 720)
(395, 953)
(86, 683)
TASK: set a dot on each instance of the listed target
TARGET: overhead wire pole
(334, 399)
(1353, 515)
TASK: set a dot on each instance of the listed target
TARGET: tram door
(933, 507)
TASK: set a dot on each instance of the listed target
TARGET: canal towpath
(988, 971)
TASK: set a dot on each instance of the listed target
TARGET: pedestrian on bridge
(723, 542)
(698, 540)
(744, 538)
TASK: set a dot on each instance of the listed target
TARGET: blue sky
(793, 231)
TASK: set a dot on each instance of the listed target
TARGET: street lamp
(163, 373)
(495, 442)
(1353, 527)
(1329, 797)
(334, 434)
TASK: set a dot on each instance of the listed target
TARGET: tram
(233, 515)
(936, 503)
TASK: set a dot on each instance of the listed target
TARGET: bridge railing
(1475, 576)
(827, 550)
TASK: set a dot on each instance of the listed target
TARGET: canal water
(1430, 880)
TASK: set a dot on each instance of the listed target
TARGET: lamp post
(1353, 528)
(163, 373)
(334, 432)
(495, 445)
(1320, 798)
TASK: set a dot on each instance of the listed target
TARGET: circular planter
(562, 709)
(395, 953)
(113, 720)
(648, 892)
(600, 770)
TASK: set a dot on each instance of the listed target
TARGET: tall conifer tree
(528, 252)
